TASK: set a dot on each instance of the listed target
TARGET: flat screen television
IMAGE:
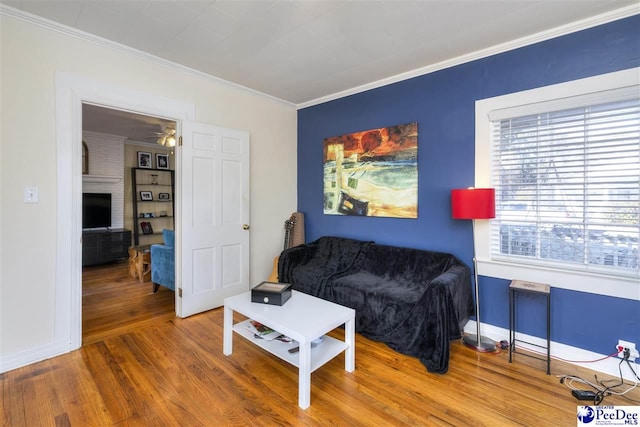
(96, 210)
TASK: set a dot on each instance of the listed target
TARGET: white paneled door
(214, 219)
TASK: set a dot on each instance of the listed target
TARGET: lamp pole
(477, 342)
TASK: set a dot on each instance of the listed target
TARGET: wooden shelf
(155, 217)
(320, 355)
(141, 180)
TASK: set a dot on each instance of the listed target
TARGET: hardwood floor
(113, 302)
(171, 372)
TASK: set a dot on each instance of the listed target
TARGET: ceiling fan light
(171, 141)
(162, 140)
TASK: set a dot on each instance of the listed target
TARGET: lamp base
(484, 345)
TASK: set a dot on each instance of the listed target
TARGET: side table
(140, 263)
(516, 287)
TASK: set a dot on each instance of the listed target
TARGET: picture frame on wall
(162, 161)
(146, 227)
(163, 196)
(145, 160)
(146, 195)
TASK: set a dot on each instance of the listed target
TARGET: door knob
(246, 226)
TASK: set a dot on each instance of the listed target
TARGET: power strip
(584, 395)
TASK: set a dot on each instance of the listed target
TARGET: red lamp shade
(473, 203)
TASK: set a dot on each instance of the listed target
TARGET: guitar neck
(287, 234)
(294, 230)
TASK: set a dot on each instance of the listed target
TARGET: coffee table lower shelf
(321, 354)
(304, 318)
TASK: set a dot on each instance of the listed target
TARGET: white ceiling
(136, 127)
(303, 51)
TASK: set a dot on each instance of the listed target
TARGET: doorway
(114, 299)
(226, 148)
(72, 90)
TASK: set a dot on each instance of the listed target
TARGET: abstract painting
(372, 173)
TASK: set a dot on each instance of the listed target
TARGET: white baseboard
(33, 355)
(572, 355)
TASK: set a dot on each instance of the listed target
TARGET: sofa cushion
(406, 264)
(333, 257)
(380, 302)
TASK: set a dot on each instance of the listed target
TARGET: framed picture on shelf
(146, 227)
(162, 161)
(146, 195)
(163, 196)
(145, 160)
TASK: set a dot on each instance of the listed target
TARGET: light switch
(31, 194)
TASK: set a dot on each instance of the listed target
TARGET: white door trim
(71, 91)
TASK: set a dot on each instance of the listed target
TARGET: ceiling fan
(166, 138)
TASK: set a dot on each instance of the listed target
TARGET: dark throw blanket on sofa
(415, 301)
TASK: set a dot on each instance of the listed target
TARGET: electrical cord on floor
(632, 370)
(600, 389)
(637, 379)
(573, 361)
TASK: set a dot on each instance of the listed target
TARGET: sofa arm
(163, 266)
(457, 281)
(293, 257)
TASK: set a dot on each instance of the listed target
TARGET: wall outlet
(633, 352)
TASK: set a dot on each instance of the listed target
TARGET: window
(567, 185)
(566, 169)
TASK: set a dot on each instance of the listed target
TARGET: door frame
(72, 90)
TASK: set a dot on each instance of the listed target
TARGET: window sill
(581, 281)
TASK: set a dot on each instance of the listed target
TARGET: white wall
(30, 55)
(106, 159)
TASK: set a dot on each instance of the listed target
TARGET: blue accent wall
(443, 104)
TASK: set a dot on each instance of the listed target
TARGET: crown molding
(572, 27)
(483, 53)
(81, 35)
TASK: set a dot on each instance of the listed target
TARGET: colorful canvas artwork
(372, 173)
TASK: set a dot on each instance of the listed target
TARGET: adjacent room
(119, 226)
(319, 212)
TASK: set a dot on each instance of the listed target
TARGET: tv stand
(105, 245)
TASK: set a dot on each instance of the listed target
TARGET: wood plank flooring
(171, 372)
(113, 302)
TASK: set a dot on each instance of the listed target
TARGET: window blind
(568, 183)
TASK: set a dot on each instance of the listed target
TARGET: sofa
(163, 262)
(416, 301)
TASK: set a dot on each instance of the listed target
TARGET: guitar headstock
(288, 224)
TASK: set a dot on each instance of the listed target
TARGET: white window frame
(592, 282)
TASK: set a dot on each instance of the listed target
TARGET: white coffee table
(303, 318)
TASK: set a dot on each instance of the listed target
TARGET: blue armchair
(163, 262)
